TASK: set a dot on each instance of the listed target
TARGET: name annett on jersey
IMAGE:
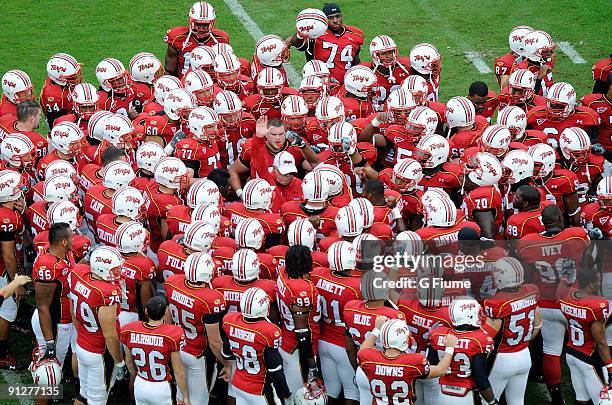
(331, 287)
(81, 289)
(182, 299)
(148, 340)
(523, 303)
(573, 311)
(389, 370)
(242, 334)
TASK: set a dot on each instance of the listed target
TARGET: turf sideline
(571, 53)
(256, 32)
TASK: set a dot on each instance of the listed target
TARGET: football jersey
(181, 40)
(582, 117)
(271, 223)
(90, 176)
(116, 103)
(55, 101)
(7, 107)
(392, 378)
(8, 125)
(156, 125)
(458, 380)
(200, 156)
(387, 83)
(142, 93)
(243, 87)
(248, 341)
(447, 177)
(359, 317)
(49, 268)
(445, 238)
(233, 290)
(314, 133)
(12, 228)
(88, 295)
(230, 143)
(354, 108)
(461, 140)
(560, 183)
(151, 348)
(37, 217)
(292, 210)
(80, 245)
(486, 198)
(159, 205)
(421, 320)
(177, 218)
(334, 292)
(525, 222)
(302, 293)
(602, 106)
(190, 307)
(107, 225)
(98, 201)
(257, 106)
(586, 174)
(171, 256)
(503, 65)
(599, 218)
(517, 311)
(135, 271)
(401, 146)
(490, 106)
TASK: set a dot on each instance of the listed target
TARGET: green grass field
(93, 30)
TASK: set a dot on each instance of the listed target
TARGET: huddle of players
(263, 278)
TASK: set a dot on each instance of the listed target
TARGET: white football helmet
(18, 151)
(407, 174)
(203, 191)
(358, 244)
(399, 104)
(544, 159)
(294, 112)
(106, 263)
(342, 256)
(203, 58)
(129, 202)
(178, 104)
(575, 145)
(484, 169)
(229, 108)
(538, 46)
(342, 139)
(429, 294)
(199, 268)
(560, 101)
(84, 100)
(245, 265)
(95, 126)
(249, 234)
(112, 75)
(163, 86)
(254, 303)
(432, 151)
(10, 186)
(227, 69)
(425, 59)
(334, 176)
(301, 232)
(515, 119)
(439, 211)
(507, 272)
(520, 86)
(45, 371)
(118, 174)
(605, 395)
(330, 111)
(61, 168)
(201, 19)
(395, 334)
(349, 222)
(417, 86)
(64, 211)
(517, 165)
(64, 70)
(311, 89)
(359, 81)
(312, 393)
(257, 194)
(171, 172)
(409, 243)
(17, 86)
(118, 130)
(67, 138)
(515, 39)
(315, 187)
(60, 188)
(200, 85)
(132, 237)
(221, 47)
(316, 68)
(465, 311)
(460, 112)
(365, 209)
(604, 193)
(270, 83)
(148, 154)
(311, 23)
(209, 214)
(383, 50)
(496, 140)
(204, 123)
(145, 68)
(421, 121)
(272, 51)
(199, 236)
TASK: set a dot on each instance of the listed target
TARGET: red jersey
(52, 156)
(8, 125)
(135, 271)
(401, 146)
(490, 106)
(547, 81)
(582, 117)
(88, 295)
(106, 228)
(37, 217)
(503, 65)
(292, 210)
(359, 318)
(183, 43)
(462, 140)
(117, 103)
(49, 268)
(233, 290)
(90, 176)
(82, 123)
(151, 347)
(283, 194)
(335, 291)
(602, 106)
(80, 245)
(337, 50)
(171, 256)
(392, 378)
(445, 237)
(598, 217)
(55, 100)
(314, 133)
(159, 205)
(587, 174)
(257, 106)
(581, 313)
(354, 108)
(192, 307)
(199, 155)
(550, 254)
(421, 320)
(243, 87)
(505, 100)
(486, 198)
(447, 178)
(12, 228)
(561, 183)
(143, 92)
(7, 107)
(249, 341)
(230, 143)
(265, 157)
(271, 223)
(524, 223)
(387, 83)
(156, 125)
(98, 201)
(177, 218)
(302, 293)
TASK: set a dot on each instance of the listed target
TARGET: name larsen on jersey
(242, 334)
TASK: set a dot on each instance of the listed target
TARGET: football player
(484, 100)
(269, 97)
(85, 101)
(539, 58)
(200, 31)
(117, 93)
(92, 174)
(328, 111)
(201, 87)
(95, 305)
(253, 341)
(177, 106)
(198, 309)
(600, 102)
(249, 234)
(503, 64)
(199, 150)
(419, 88)
(515, 119)
(425, 61)
(57, 188)
(148, 155)
(18, 154)
(513, 314)
(145, 69)
(338, 47)
(118, 132)
(433, 152)
(270, 51)
(228, 77)
(152, 354)
(570, 243)
(357, 92)
(63, 73)
(68, 142)
(349, 225)
(464, 126)
(520, 91)
(300, 232)
(595, 215)
(26, 122)
(16, 88)
(461, 386)
(311, 89)
(404, 179)
(384, 209)
(528, 205)
(201, 192)
(236, 126)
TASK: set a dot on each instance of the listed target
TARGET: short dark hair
(550, 213)
(27, 109)
(374, 186)
(112, 154)
(478, 89)
(586, 275)
(59, 232)
(298, 261)
(275, 122)
(220, 177)
(156, 307)
(530, 194)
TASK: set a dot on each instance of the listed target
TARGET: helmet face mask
(519, 95)
(228, 79)
(557, 110)
(311, 97)
(200, 29)
(120, 83)
(271, 93)
(203, 96)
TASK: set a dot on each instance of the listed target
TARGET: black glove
(122, 372)
(313, 373)
(50, 352)
(597, 149)
(295, 140)
(169, 149)
(596, 234)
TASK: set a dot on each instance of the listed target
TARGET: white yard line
(571, 53)
(477, 61)
(256, 32)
